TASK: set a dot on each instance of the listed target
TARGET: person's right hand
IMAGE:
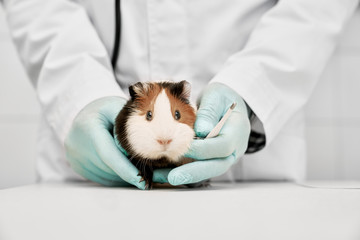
(91, 149)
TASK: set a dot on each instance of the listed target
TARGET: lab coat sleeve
(285, 54)
(63, 55)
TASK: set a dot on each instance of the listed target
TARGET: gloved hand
(214, 155)
(91, 149)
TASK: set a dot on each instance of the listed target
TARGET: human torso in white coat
(270, 52)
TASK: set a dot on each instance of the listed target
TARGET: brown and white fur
(155, 127)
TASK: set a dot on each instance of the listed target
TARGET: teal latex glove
(91, 149)
(214, 155)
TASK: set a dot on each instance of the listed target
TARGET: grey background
(333, 114)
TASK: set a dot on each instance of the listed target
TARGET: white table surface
(247, 211)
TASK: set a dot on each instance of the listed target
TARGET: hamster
(156, 126)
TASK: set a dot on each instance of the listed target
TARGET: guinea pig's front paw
(147, 177)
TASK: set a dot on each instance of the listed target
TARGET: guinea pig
(155, 127)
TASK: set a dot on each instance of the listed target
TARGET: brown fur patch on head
(187, 112)
(144, 95)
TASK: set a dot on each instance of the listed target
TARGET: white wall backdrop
(19, 112)
(333, 114)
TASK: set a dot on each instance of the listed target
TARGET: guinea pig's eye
(177, 115)
(149, 115)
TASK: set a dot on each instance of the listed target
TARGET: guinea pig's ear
(186, 89)
(181, 90)
(136, 90)
(132, 93)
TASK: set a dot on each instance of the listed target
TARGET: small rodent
(155, 127)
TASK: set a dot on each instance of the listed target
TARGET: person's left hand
(90, 147)
(213, 156)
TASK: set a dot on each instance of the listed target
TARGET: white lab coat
(271, 52)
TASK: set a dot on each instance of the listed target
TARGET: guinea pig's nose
(164, 141)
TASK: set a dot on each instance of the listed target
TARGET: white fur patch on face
(143, 135)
